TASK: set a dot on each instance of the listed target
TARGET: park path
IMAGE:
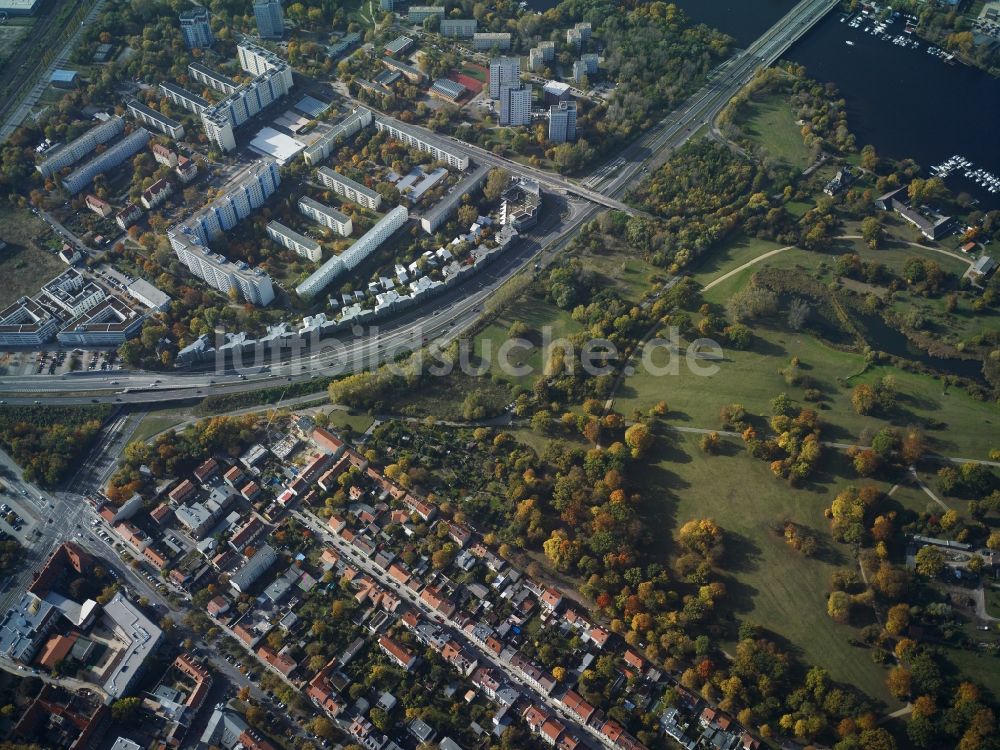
(928, 491)
(754, 261)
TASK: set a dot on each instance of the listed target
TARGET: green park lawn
(962, 426)
(732, 254)
(25, 264)
(539, 316)
(770, 122)
(769, 583)
(341, 418)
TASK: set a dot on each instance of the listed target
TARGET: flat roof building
(212, 78)
(26, 322)
(450, 203)
(350, 189)
(126, 148)
(78, 148)
(447, 89)
(270, 18)
(111, 323)
(154, 119)
(327, 216)
(73, 292)
(398, 46)
(350, 258)
(487, 40)
(183, 98)
(195, 28)
(458, 27)
(253, 569)
(140, 637)
(289, 238)
(420, 13)
(436, 147)
(353, 123)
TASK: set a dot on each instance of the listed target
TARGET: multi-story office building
(487, 40)
(350, 189)
(183, 98)
(562, 122)
(252, 284)
(154, 119)
(327, 216)
(195, 28)
(420, 13)
(322, 148)
(303, 246)
(350, 258)
(504, 71)
(78, 148)
(442, 151)
(72, 292)
(27, 323)
(270, 18)
(459, 27)
(109, 323)
(240, 197)
(212, 78)
(515, 104)
(129, 146)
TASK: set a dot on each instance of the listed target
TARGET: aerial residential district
(580, 374)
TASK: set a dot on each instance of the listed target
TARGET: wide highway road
(444, 318)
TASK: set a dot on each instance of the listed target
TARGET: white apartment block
(252, 284)
(504, 71)
(459, 27)
(129, 146)
(345, 186)
(515, 105)
(562, 122)
(303, 246)
(353, 123)
(420, 13)
(350, 258)
(487, 40)
(273, 81)
(327, 216)
(154, 119)
(258, 60)
(212, 78)
(78, 148)
(436, 147)
(183, 98)
(243, 195)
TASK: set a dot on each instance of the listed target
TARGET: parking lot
(59, 362)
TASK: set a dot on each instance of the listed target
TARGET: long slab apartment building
(350, 189)
(80, 147)
(152, 118)
(329, 217)
(190, 239)
(273, 80)
(440, 149)
(358, 119)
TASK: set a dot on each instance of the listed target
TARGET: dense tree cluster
(174, 454)
(49, 442)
